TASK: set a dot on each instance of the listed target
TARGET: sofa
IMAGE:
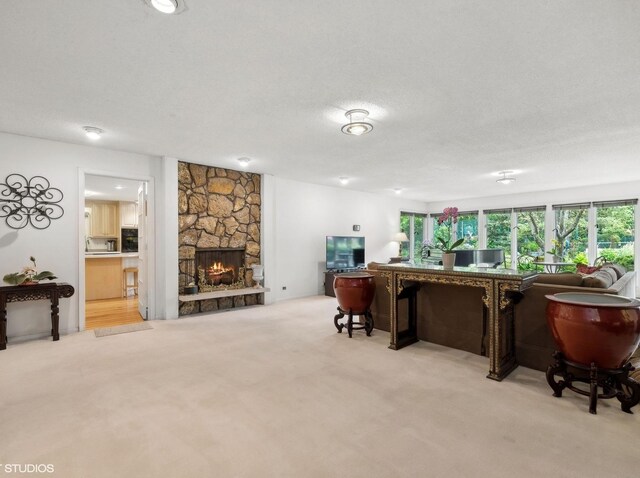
(534, 344)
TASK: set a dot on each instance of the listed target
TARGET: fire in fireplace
(219, 266)
(218, 273)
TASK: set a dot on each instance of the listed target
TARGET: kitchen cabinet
(128, 214)
(103, 278)
(104, 219)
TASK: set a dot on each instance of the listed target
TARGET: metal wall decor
(29, 201)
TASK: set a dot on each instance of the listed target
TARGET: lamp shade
(400, 237)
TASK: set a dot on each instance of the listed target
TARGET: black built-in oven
(129, 240)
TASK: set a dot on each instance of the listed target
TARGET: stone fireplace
(219, 236)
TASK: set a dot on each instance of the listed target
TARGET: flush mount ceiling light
(505, 179)
(344, 180)
(168, 7)
(165, 6)
(92, 132)
(244, 162)
(357, 125)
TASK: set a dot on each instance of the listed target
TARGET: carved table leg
(593, 389)
(336, 319)
(559, 367)
(368, 322)
(3, 322)
(628, 390)
(55, 318)
(350, 323)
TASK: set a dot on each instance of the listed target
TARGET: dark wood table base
(501, 289)
(613, 382)
(23, 293)
(367, 325)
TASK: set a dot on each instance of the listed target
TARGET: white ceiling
(457, 90)
(105, 188)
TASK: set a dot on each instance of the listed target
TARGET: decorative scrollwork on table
(388, 276)
(485, 284)
(29, 201)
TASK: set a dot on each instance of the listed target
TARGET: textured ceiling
(106, 188)
(457, 90)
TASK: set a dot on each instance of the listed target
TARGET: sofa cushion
(619, 270)
(602, 279)
(585, 269)
(565, 278)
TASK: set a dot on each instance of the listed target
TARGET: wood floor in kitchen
(111, 312)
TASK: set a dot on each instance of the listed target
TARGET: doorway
(114, 252)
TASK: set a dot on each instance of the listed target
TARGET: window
(467, 227)
(571, 232)
(615, 229)
(581, 233)
(413, 225)
(530, 235)
(499, 232)
(439, 230)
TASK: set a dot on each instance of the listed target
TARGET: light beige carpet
(122, 329)
(275, 392)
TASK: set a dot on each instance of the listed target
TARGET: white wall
(306, 213)
(166, 243)
(57, 247)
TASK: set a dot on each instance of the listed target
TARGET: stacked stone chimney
(217, 208)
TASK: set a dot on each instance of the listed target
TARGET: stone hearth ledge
(223, 293)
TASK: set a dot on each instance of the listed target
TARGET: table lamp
(400, 237)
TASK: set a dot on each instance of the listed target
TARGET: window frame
(549, 225)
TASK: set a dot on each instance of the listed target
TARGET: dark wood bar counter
(494, 290)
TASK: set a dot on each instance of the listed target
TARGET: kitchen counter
(106, 254)
(104, 273)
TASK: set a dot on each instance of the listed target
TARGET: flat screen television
(344, 252)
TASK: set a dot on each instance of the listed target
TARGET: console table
(22, 293)
(501, 289)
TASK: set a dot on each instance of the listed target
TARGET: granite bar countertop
(108, 254)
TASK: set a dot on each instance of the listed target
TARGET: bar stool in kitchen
(125, 281)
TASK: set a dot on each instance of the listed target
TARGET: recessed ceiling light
(119, 187)
(165, 6)
(92, 132)
(344, 180)
(244, 162)
(397, 190)
(505, 179)
(357, 125)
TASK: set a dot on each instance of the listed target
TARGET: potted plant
(557, 251)
(28, 275)
(444, 238)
